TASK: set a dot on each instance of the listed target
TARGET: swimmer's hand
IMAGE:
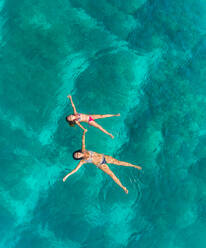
(69, 96)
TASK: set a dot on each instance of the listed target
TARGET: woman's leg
(102, 116)
(111, 160)
(106, 169)
(94, 124)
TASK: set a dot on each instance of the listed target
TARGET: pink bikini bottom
(90, 119)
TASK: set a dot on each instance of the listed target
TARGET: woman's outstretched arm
(75, 170)
(81, 126)
(83, 141)
(73, 106)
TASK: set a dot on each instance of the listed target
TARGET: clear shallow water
(144, 59)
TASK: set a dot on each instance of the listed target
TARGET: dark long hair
(76, 152)
(71, 123)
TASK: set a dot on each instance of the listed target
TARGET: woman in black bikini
(76, 118)
(100, 160)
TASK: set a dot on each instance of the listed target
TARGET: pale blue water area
(145, 59)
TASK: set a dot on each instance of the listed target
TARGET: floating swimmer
(76, 118)
(100, 160)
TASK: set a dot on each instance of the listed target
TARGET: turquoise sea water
(143, 58)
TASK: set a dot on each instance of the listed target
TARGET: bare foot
(117, 115)
(111, 136)
(126, 190)
(138, 167)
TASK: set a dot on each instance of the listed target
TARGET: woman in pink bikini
(76, 118)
